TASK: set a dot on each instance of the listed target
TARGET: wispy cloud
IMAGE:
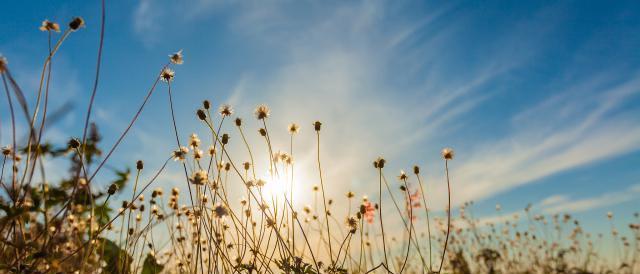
(562, 203)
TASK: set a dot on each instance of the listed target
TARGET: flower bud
(201, 115)
(139, 165)
(112, 189)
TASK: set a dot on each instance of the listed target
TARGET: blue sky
(541, 100)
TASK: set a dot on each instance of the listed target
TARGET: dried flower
(352, 223)
(225, 110)
(220, 211)
(238, 122)
(293, 128)
(74, 143)
(76, 23)
(379, 163)
(166, 75)
(447, 153)
(139, 165)
(176, 58)
(194, 141)
(49, 26)
(225, 139)
(262, 112)
(416, 170)
(201, 115)
(197, 154)
(6, 150)
(200, 177)
(262, 132)
(180, 154)
(317, 125)
(403, 176)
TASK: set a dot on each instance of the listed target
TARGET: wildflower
(262, 112)
(6, 150)
(3, 64)
(368, 210)
(180, 154)
(212, 150)
(76, 23)
(317, 125)
(225, 110)
(350, 195)
(403, 176)
(260, 182)
(74, 143)
(246, 165)
(199, 177)
(194, 141)
(293, 128)
(447, 153)
(167, 74)
(176, 58)
(352, 223)
(197, 154)
(379, 163)
(220, 211)
(50, 26)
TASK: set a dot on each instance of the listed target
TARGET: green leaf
(151, 266)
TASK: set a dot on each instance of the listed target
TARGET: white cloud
(590, 203)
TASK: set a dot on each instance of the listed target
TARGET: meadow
(240, 215)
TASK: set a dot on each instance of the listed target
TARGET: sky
(540, 100)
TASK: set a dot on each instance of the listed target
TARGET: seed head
(262, 132)
(49, 26)
(3, 64)
(416, 170)
(225, 139)
(379, 163)
(74, 143)
(220, 211)
(176, 58)
(76, 23)
(194, 141)
(293, 128)
(225, 110)
(180, 154)
(199, 177)
(201, 114)
(238, 122)
(262, 112)
(447, 153)
(317, 125)
(139, 165)
(403, 176)
(206, 104)
(246, 165)
(167, 74)
(6, 150)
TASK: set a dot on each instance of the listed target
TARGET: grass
(71, 225)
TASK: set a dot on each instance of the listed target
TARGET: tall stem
(324, 200)
(444, 251)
